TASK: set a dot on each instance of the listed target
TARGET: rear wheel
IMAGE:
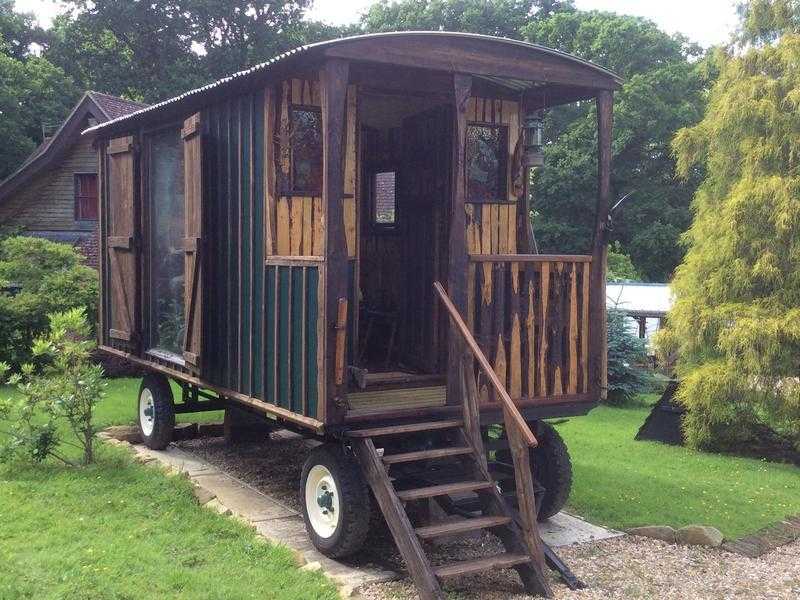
(552, 470)
(336, 503)
(156, 411)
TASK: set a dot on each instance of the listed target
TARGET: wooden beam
(457, 248)
(334, 77)
(597, 294)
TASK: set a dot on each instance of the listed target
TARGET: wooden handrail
(530, 258)
(508, 404)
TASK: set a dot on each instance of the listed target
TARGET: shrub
(52, 279)
(65, 390)
(626, 354)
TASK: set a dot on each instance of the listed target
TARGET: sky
(707, 22)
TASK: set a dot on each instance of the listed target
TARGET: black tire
(354, 501)
(158, 434)
(552, 469)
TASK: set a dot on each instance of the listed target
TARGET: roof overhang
(519, 67)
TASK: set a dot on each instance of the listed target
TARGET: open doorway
(405, 176)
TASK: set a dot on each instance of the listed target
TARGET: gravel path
(628, 567)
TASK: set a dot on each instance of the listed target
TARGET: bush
(53, 279)
(626, 354)
(65, 390)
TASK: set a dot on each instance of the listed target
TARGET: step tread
(499, 561)
(391, 459)
(460, 526)
(444, 490)
(407, 428)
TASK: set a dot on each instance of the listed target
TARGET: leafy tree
(66, 389)
(736, 323)
(620, 267)
(663, 91)
(18, 31)
(499, 17)
(764, 21)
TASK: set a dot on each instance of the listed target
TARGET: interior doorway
(405, 176)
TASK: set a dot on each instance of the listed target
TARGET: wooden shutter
(193, 262)
(121, 243)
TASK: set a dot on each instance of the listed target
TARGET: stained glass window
(486, 163)
(306, 151)
(165, 185)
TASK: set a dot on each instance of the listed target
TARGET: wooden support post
(333, 86)
(458, 260)
(597, 301)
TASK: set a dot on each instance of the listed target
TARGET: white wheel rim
(147, 412)
(322, 501)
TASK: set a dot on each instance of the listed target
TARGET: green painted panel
(257, 190)
(312, 309)
(271, 343)
(298, 355)
(284, 381)
(245, 278)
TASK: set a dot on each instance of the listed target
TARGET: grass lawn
(120, 530)
(624, 483)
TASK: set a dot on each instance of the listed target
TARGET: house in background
(647, 304)
(53, 194)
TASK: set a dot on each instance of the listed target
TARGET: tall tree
(33, 91)
(735, 325)
(663, 90)
(499, 17)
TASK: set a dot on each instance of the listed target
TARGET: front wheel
(156, 411)
(336, 504)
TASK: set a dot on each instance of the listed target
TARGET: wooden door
(192, 243)
(122, 244)
(424, 183)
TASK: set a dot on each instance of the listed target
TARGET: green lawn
(120, 530)
(624, 483)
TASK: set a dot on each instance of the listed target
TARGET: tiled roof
(114, 106)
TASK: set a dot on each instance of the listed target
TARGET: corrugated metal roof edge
(318, 45)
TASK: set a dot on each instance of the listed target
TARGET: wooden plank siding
(531, 319)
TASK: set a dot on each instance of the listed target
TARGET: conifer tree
(735, 325)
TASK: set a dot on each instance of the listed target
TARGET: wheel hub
(322, 501)
(147, 412)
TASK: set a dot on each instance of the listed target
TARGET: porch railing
(530, 315)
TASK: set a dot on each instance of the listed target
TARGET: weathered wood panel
(193, 240)
(530, 317)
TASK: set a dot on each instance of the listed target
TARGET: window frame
(80, 218)
(145, 161)
(502, 196)
(291, 190)
(373, 199)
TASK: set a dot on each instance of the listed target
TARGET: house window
(166, 230)
(86, 197)
(306, 151)
(487, 153)
(384, 201)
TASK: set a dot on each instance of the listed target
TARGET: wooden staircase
(457, 443)
(496, 516)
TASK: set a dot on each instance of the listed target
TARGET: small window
(487, 151)
(306, 151)
(85, 197)
(383, 192)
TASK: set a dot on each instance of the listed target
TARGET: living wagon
(339, 240)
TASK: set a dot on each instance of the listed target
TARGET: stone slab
(179, 460)
(243, 500)
(564, 529)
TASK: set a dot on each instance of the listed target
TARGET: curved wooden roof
(508, 63)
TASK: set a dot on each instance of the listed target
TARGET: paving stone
(203, 494)
(664, 533)
(699, 535)
(125, 433)
(243, 500)
(312, 566)
(564, 530)
(218, 506)
(184, 431)
(210, 430)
